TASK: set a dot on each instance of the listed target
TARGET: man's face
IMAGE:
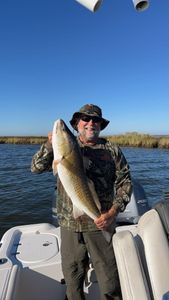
(89, 128)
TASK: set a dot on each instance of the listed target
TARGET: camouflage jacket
(106, 166)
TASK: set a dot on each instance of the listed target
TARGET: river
(26, 198)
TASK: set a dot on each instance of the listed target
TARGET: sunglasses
(88, 118)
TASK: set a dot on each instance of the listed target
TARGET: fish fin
(107, 235)
(94, 194)
(54, 165)
(77, 212)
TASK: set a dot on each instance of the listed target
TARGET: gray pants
(74, 252)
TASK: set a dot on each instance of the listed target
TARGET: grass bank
(132, 139)
(135, 139)
(22, 139)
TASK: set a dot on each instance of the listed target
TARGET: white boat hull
(30, 260)
(30, 265)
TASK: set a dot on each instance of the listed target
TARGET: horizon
(57, 56)
(101, 135)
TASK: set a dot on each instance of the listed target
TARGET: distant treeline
(132, 139)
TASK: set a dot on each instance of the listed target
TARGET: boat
(30, 260)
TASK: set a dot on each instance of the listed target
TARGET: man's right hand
(50, 137)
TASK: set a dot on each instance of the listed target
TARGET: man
(106, 166)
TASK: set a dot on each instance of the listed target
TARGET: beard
(89, 133)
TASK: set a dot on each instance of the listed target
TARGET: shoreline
(133, 139)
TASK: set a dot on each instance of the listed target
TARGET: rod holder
(141, 5)
(92, 5)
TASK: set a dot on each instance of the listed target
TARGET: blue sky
(55, 56)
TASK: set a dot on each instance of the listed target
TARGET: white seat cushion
(132, 278)
(156, 249)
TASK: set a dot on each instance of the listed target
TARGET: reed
(22, 139)
(131, 139)
(164, 142)
(135, 139)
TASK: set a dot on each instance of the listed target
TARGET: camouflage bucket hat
(89, 110)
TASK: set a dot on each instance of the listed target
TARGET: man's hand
(105, 220)
(50, 137)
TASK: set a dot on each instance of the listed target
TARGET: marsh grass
(22, 139)
(131, 139)
(135, 139)
(163, 142)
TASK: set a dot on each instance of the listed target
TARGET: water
(151, 168)
(26, 198)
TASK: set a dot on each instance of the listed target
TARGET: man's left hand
(106, 219)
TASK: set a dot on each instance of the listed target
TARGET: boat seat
(131, 272)
(162, 207)
(143, 259)
(156, 249)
